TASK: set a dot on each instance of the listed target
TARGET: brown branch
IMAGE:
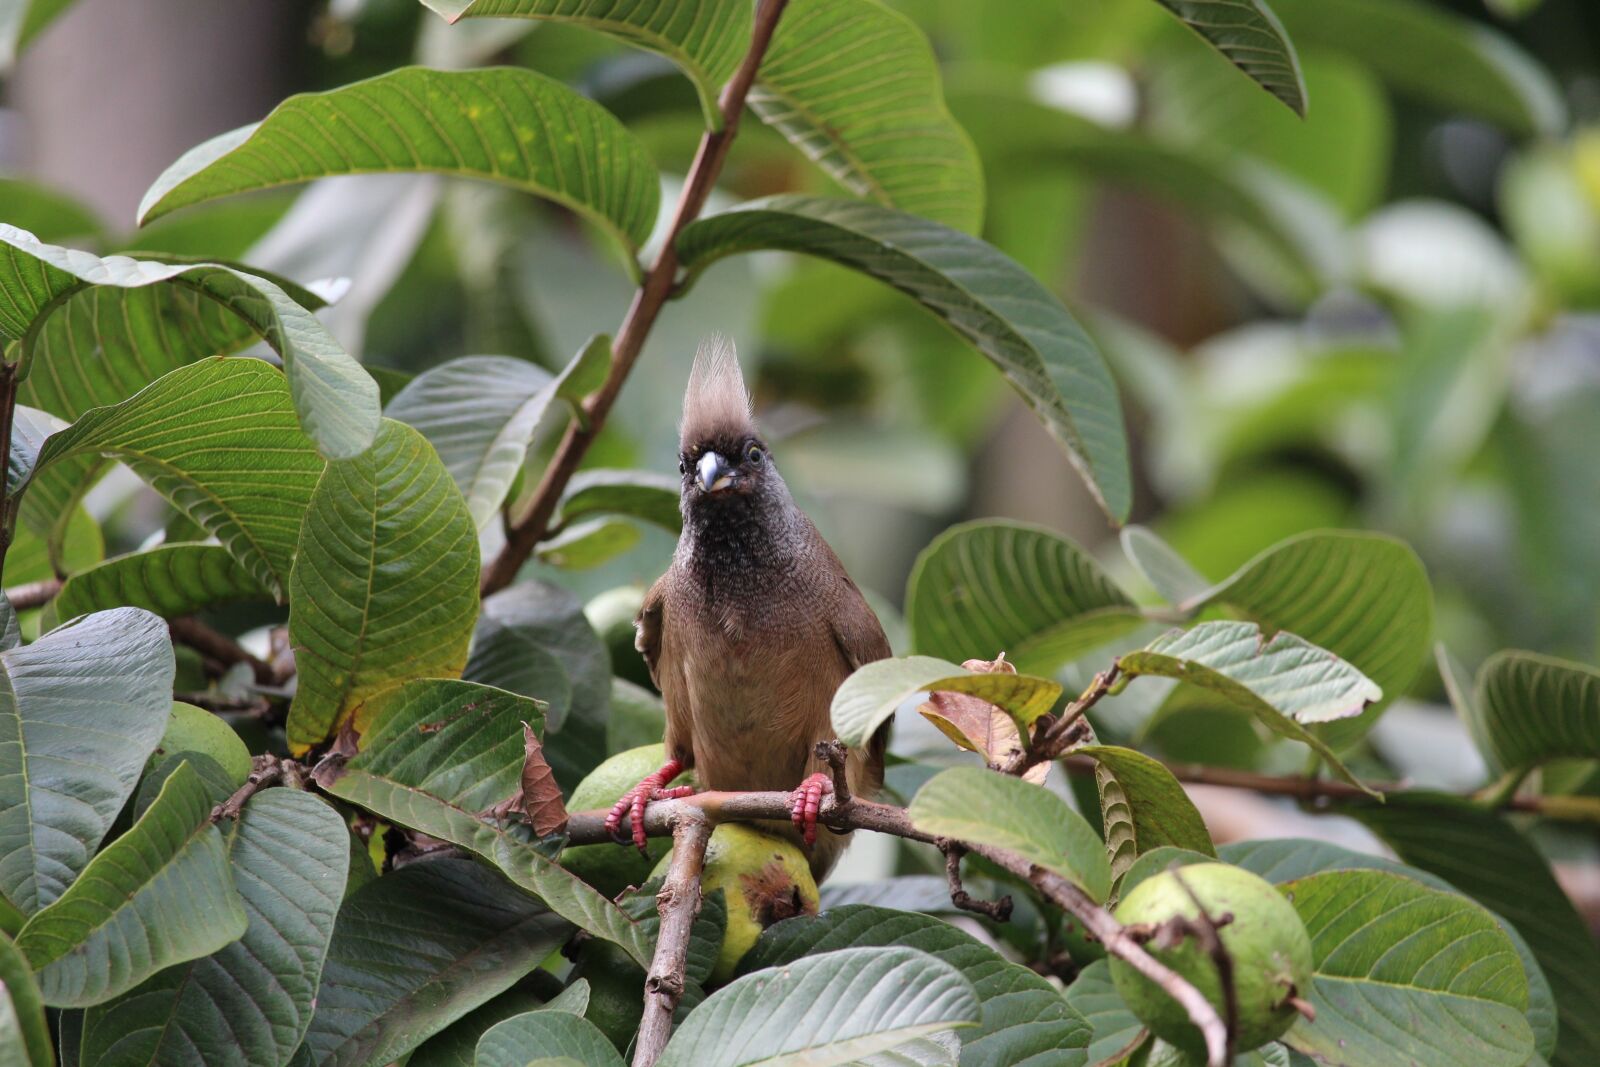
(33, 594)
(1204, 930)
(1054, 734)
(264, 771)
(219, 647)
(660, 818)
(679, 904)
(998, 910)
(834, 754)
(525, 532)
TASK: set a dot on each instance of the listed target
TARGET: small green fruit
(611, 613)
(1266, 941)
(613, 868)
(762, 878)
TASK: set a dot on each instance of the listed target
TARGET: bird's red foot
(633, 802)
(806, 801)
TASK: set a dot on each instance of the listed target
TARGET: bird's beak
(713, 473)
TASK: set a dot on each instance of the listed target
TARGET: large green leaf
(1362, 596)
(249, 1004)
(24, 1033)
(546, 1035)
(219, 440)
(971, 804)
(706, 38)
(1250, 36)
(1408, 974)
(480, 414)
(1529, 709)
(870, 696)
(1115, 1029)
(336, 400)
(855, 87)
(385, 580)
(1482, 855)
(984, 296)
(506, 125)
(1449, 60)
(457, 1044)
(1283, 682)
(1142, 807)
(1168, 573)
(986, 587)
(821, 1010)
(436, 754)
(81, 710)
(158, 895)
(415, 950)
(168, 580)
(1022, 1018)
(47, 213)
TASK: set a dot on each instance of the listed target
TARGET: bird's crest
(716, 403)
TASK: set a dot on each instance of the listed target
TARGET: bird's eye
(754, 455)
(683, 465)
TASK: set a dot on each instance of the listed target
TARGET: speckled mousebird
(752, 627)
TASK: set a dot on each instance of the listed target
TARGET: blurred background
(1382, 317)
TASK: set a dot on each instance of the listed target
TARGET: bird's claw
(631, 804)
(805, 802)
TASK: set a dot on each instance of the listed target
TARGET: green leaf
(46, 213)
(982, 295)
(1250, 37)
(987, 587)
(1407, 973)
(1142, 807)
(438, 752)
(219, 440)
(1022, 1018)
(336, 400)
(385, 580)
(249, 1004)
(855, 86)
(1167, 572)
(1283, 682)
(191, 729)
(1529, 709)
(24, 1035)
(706, 38)
(589, 544)
(827, 1009)
(114, 927)
(480, 414)
(81, 709)
(638, 494)
(1484, 856)
(1457, 63)
(1362, 596)
(970, 804)
(168, 580)
(415, 950)
(870, 696)
(1116, 1029)
(543, 1035)
(506, 125)
(456, 1045)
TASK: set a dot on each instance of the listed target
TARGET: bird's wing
(861, 640)
(647, 626)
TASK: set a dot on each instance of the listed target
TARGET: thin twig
(588, 827)
(1204, 929)
(525, 532)
(998, 910)
(264, 771)
(836, 755)
(1053, 735)
(679, 904)
(33, 594)
(224, 650)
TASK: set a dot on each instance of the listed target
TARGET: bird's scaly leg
(633, 802)
(805, 803)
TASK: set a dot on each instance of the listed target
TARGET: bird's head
(721, 456)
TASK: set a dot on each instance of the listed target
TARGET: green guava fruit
(1265, 939)
(611, 613)
(613, 868)
(763, 879)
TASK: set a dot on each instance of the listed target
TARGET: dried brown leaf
(541, 796)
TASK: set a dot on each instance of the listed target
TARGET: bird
(752, 627)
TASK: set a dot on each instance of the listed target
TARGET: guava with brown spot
(1265, 940)
(764, 879)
